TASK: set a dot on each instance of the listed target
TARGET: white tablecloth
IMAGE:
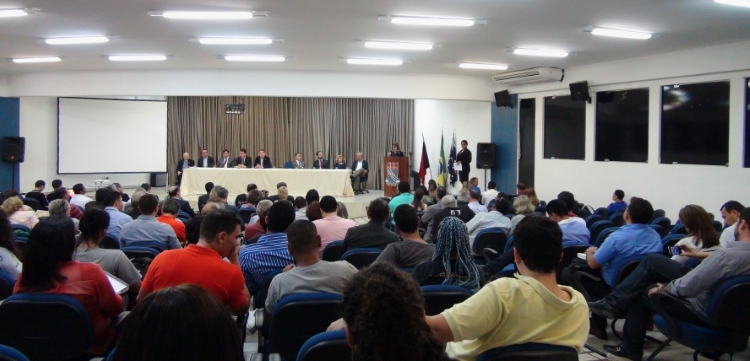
(327, 182)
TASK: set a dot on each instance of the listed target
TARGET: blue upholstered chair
(332, 252)
(530, 352)
(8, 353)
(361, 257)
(329, 346)
(439, 298)
(297, 318)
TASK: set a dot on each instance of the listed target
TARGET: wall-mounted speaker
(502, 99)
(580, 91)
(14, 149)
(485, 155)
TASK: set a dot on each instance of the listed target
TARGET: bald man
(182, 164)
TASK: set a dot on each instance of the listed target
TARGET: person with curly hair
(452, 263)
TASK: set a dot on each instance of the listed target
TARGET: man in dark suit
(57, 183)
(372, 234)
(359, 171)
(243, 161)
(182, 165)
(205, 160)
(174, 193)
(224, 161)
(202, 200)
(262, 160)
(37, 194)
(320, 163)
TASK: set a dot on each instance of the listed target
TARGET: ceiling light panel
(536, 52)
(78, 40)
(45, 59)
(365, 61)
(235, 41)
(398, 45)
(428, 21)
(137, 57)
(743, 3)
(617, 33)
(256, 58)
(13, 13)
(206, 15)
(483, 66)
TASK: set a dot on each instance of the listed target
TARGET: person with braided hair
(452, 263)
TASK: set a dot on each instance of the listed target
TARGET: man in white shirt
(474, 204)
(224, 161)
(490, 193)
(79, 198)
(494, 218)
(359, 171)
(730, 211)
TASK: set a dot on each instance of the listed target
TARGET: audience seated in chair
(10, 252)
(453, 263)
(251, 200)
(169, 210)
(49, 268)
(185, 323)
(57, 183)
(450, 208)
(573, 227)
(312, 212)
(509, 311)
(617, 202)
(701, 238)
(175, 193)
(730, 211)
(147, 228)
(202, 264)
(113, 206)
(310, 274)
(222, 194)
(523, 206)
(193, 229)
(203, 199)
(490, 193)
(271, 252)
(61, 208)
(132, 209)
(93, 229)
(37, 194)
(494, 219)
(474, 198)
(258, 228)
(631, 242)
(429, 214)
(412, 249)
(696, 287)
(331, 227)
(79, 198)
(301, 205)
(403, 197)
(16, 214)
(372, 234)
(241, 198)
(281, 193)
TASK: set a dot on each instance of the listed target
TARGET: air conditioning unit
(534, 75)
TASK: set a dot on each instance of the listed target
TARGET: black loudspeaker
(580, 91)
(485, 155)
(502, 99)
(605, 97)
(13, 149)
(158, 179)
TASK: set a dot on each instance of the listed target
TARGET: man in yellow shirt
(509, 311)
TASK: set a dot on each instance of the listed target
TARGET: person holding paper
(463, 159)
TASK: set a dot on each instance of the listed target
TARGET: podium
(395, 170)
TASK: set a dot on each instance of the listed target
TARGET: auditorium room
(334, 180)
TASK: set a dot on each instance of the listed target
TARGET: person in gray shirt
(147, 228)
(412, 249)
(696, 287)
(431, 211)
(310, 274)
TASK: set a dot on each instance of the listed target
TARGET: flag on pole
(424, 163)
(441, 181)
(452, 160)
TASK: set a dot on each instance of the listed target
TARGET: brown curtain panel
(283, 126)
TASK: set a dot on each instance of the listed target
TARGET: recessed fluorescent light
(46, 59)
(534, 52)
(627, 34)
(208, 15)
(81, 40)
(235, 41)
(12, 13)
(743, 3)
(137, 57)
(361, 61)
(483, 66)
(414, 20)
(397, 45)
(265, 58)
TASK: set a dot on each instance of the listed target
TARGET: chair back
(670, 241)
(602, 212)
(571, 249)
(33, 203)
(442, 297)
(329, 346)
(246, 214)
(659, 213)
(288, 165)
(530, 352)
(158, 246)
(678, 229)
(604, 234)
(728, 306)
(110, 242)
(618, 218)
(140, 257)
(260, 297)
(361, 257)
(508, 244)
(494, 238)
(6, 285)
(45, 326)
(540, 209)
(627, 269)
(590, 220)
(8, 353)
(718, 226)
(597, 228)
(20, 227)
(665, 223)
(298, 317)
(332, 252)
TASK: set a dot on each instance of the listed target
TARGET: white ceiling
(318, 32)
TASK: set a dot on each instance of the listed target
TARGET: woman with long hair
(701, 234)
(49, 268)
(13, 208)
(253, 197)
(523, 208)
(531, 193)
(418, 205)
(384, 314)
(452, 263)
(340, 163)
(10, 253)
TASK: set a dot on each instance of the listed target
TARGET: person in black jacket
(174, 193)
(320, 162)
(372, 234)
(262, 160)
(183, 164)
(464, 158)
(206, 161)
(37, 194)
(243, 161)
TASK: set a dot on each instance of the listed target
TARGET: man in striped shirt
(270, 253)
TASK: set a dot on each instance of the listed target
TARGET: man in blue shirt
(573, 228)
(617, 202)
(113, 206)
(146, 228)
(474, 182)
(271, 252)
(631, 242)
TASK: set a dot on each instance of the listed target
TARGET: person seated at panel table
(243, 161)
(183, 164)
(298, 163)
(262, 160)
(396, 151)
(224, 161)
(205, 161)
(340, 163)
(319, 162)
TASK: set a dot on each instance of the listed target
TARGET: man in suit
(359, 171)
(372, 234)
(205, 161)
(224, 161)
(298, 163)
(262, 160)
(202, 200)
(320, 163)
(183, 164)
(243, 161)
(174, 193)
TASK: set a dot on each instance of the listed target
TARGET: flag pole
(431, 176)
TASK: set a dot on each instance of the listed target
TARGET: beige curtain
(284, 126)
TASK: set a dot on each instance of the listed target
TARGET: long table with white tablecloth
(332, 182)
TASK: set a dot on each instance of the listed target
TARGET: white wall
(471, 121)
(4, 88)
(667, 186)
(38, 120)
